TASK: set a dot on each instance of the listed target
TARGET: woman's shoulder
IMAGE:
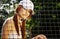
(8, 20)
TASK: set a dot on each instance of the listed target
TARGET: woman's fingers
(41, 36)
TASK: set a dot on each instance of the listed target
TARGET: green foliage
(29, 24)
(58, 5)
(11, 14)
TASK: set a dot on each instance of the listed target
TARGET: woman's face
(23, 13)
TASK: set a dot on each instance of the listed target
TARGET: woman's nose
(25, 12)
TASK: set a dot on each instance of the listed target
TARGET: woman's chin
(24, 17)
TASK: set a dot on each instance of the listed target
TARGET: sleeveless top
(13, 34)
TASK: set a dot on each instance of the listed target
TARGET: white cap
(27, 4)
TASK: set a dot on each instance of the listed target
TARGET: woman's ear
(33, 12)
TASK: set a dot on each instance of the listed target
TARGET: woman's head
(23, 13)
(25, 9)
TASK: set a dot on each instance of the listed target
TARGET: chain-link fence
(48, 19)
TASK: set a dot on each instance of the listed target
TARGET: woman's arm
(5, 30)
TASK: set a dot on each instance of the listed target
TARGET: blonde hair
(15, 19)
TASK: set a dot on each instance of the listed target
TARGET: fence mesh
(48, 19)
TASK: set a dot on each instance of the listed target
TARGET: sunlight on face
(24, 13)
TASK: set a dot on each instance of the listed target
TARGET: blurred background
(45, 21)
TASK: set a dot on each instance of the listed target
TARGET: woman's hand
(41, 36)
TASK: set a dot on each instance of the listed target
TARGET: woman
(14, 27)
